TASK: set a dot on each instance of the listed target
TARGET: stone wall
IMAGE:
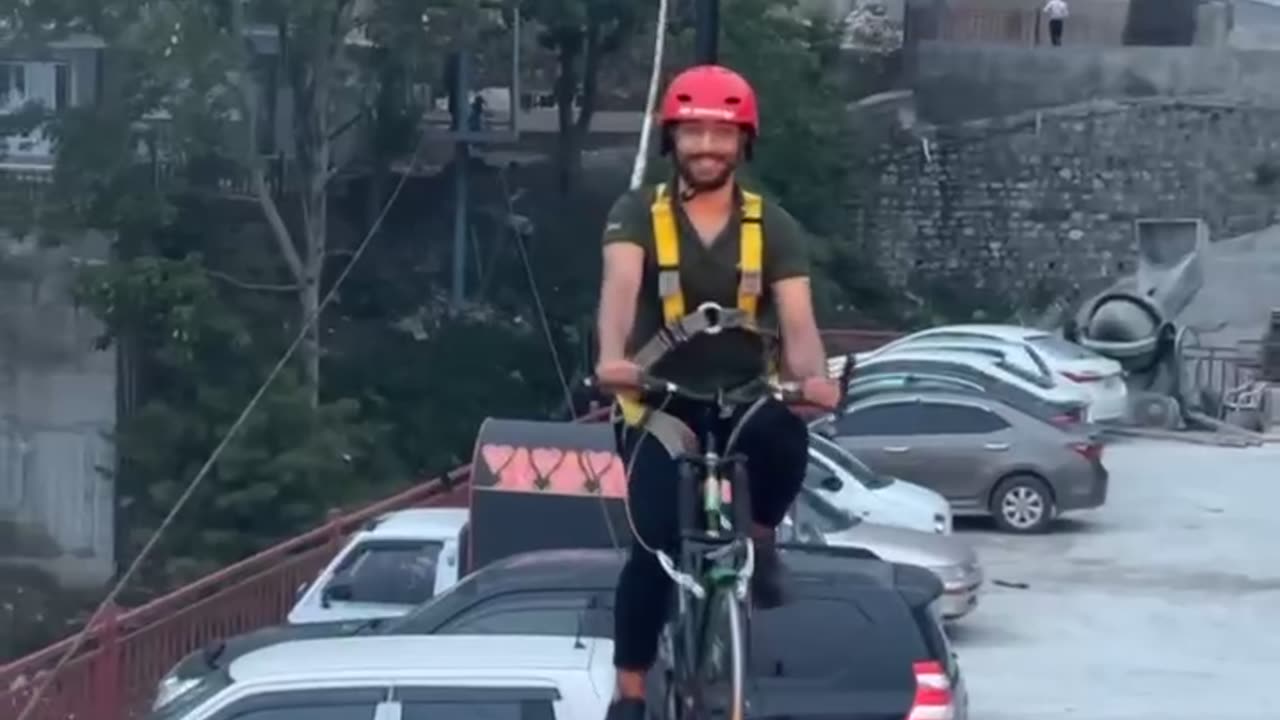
(1034, 205)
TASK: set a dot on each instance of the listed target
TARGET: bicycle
(706, 639)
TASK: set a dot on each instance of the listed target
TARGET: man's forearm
(614, 324)
(804, 356)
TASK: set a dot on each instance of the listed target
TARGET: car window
(350, 711)
(886, 419)
(937, 418)
(399, 572)
(945, 369)
(547, 613)
(476, 703)
(1020, 370)
(868, 640)
(311, 704)
(908, 381)
(844, 460)
(816, 512)
(1061, 348)
(478, 710)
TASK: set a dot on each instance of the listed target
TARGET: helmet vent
(732, 100)
(684, 97)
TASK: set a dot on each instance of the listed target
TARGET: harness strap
(751, 252)
(679, 325)
(666, 239)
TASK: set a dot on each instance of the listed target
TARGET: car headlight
(171, 688)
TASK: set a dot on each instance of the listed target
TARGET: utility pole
(459, 106)
(706, 31)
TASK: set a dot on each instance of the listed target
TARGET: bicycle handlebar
(790, 392)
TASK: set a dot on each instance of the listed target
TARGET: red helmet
(711, 92)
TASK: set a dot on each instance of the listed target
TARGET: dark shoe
(768, 578)
(626, 709)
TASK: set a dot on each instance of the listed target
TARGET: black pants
(775, 443)
(1055, 31)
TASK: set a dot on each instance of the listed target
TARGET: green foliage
(286, 468)
(806, 156)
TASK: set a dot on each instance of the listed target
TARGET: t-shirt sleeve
(625, 221)
(786, 246)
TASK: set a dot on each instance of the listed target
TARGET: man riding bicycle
(669, 249)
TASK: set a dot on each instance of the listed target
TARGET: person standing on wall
(1056, 11)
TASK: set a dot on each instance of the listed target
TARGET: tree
(581, 34)
(806, 155)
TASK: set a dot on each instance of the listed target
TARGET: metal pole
(707, 31)
(461, 159)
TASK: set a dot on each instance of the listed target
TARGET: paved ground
(1163, 604)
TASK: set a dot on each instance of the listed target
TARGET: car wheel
(1023, 504)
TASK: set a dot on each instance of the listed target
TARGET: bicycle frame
(708, 574)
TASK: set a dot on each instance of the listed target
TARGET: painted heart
(570, 477)
(496, 456)
(613, 479)
(545, 462)
(519, 474)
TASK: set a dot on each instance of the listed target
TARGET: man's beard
(700, 185)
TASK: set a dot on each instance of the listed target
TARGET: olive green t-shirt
(708, 273)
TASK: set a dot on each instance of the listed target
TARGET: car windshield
(1061, 348)
(815, 511)
(392, 572)
(845, 460)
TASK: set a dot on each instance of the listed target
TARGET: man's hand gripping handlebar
(816, 392)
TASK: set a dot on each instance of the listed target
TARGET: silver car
(985, 457)
(814, 519)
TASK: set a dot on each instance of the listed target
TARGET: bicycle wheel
(723, 659)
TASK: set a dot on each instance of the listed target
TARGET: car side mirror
(831, 483)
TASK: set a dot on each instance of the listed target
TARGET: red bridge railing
(114, 674)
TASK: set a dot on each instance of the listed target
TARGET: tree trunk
(568, 150)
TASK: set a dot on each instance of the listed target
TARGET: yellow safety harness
(667, 243)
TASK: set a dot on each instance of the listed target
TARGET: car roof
(322, 658)
(1011, 332)
(953, 356)
(954, 398)
(596, 571)
(416, 521)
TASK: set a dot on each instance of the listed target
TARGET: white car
(442, 677)
(400, 560)
(848, 484)
(1036, 395)
(1100, 377)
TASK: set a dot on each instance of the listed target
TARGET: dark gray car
(985, 457)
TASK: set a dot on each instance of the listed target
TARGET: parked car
(1057, 405)
(850, 485)
(1101, 377)
(451, 677)
(871, 639)
(985, 457)
(815, 519)
(398, 560)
